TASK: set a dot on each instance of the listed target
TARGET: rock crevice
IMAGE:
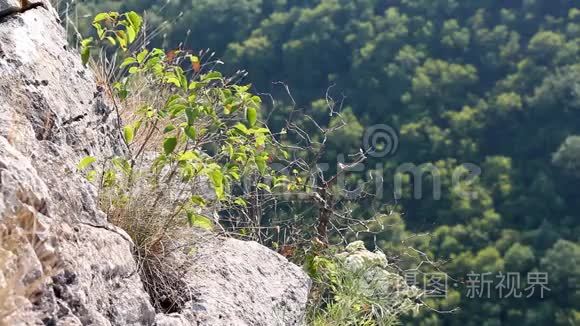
(12, 7)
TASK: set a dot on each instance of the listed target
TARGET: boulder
(238, 282)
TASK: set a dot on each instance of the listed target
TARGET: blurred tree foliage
(490, 82)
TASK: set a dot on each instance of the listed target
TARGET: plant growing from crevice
(184, 125)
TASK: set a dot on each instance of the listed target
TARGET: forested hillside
(488, 82)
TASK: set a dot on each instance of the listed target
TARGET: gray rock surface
(8, 6)
(241, 283)
(53, 113)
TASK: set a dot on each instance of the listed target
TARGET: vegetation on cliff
(490, 83)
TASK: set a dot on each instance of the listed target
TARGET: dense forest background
(489, 82)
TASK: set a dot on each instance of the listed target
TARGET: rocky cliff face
(52, 113)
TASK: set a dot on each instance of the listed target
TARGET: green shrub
(359, 287)
(185, 126)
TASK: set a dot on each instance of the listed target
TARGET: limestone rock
(241, 283)
(53, 113)
(8, 6)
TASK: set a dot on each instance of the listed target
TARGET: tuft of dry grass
(158, 233)
(27, 260)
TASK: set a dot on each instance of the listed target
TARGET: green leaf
(100, 17)
(187, 156)
(109, 178)
(214, 75)
(217, 179)
(187, 169)
(251, 116)
(285, 154)
(191, 115)
(241, 128)
(194, 85)
(176, 109)
(135, 20)
(86, 42)
(261, 164)
(172, 100)
(100, 31)
(257, 100)
(240, 202)
(264, 186)
(142, 55)
(235, 175)
(193, 59)
(85, 162)
(183, 82)
(136, 125)
(122, 39)
(123, 93)
(128, 61)
(260, 131)
(280, 181)
(173, 80)
(260, 140)
(156, 52)
(111, 40)
(85, 54)
(200, 221)
(131, 34)
(122, 164)
(128, 133)
(190, 132)
(92, 175)
(169, 145)
(198, 200)
(169, 128)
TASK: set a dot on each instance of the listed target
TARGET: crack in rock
(12, 7)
